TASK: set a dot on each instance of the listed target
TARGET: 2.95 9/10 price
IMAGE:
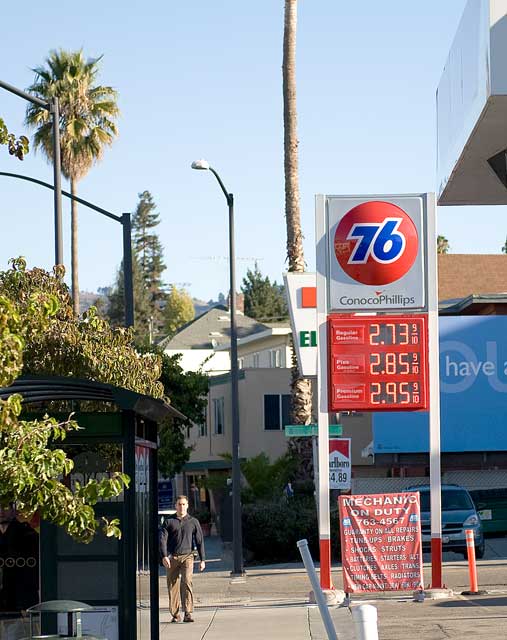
(395, 393)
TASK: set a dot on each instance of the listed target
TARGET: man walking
(177, 535)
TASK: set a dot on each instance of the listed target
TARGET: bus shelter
(119, 578)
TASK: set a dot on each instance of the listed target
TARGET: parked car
(458, 513)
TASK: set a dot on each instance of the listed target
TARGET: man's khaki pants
(183, 566)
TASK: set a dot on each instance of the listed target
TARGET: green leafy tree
(178, 310)
(188, 391)
(264, 301)
(17, 147)
(442, 244)
(84, 347)
(40, 334)
(504, 248)
(87, 124)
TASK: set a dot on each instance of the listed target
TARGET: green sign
(307, 338)
(300, 430)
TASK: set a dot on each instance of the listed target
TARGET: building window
(276, 411)
(275, 358)
(256, 360)
(203, 427)
(218, 416)
(241, 363)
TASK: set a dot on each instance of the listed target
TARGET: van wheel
(479, 551)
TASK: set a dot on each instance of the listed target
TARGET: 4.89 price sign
(378, 363)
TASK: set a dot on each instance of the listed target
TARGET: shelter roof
(54, 388)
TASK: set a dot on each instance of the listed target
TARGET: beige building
(265, 359)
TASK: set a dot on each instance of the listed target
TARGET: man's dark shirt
(177, 536)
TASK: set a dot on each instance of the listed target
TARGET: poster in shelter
(381, 542)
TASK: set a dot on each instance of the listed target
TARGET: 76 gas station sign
(375, 257)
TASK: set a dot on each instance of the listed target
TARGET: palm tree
(87, 124)
(301, 387)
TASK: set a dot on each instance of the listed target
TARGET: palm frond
(87, 110)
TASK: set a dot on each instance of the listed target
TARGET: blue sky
(199, 79)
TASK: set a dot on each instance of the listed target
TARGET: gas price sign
(378, 363)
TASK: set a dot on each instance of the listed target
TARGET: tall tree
(442, 244)
(504, 248)
(301, 387)
(87, 124)
(150, 255)
(142, 306)
(264, 301)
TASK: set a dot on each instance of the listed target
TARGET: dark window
(218, 410)
(452, 500)
(277, 410)
(203, 426)
(271, 412)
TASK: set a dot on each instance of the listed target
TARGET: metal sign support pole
(434, 384)
(323, 415)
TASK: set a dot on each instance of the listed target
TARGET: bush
(271, 529)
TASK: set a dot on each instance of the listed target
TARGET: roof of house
(211, 329)
(462, 275)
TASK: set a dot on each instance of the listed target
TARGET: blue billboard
(473, 393)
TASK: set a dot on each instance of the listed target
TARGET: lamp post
(53, 108)
(237, 543)
(124, 220)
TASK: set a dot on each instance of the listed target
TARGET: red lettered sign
(378, 363)
(381, 542)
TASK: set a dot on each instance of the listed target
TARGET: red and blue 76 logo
(376, 243)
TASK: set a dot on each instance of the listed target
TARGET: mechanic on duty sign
(375, 252)
(381, 542)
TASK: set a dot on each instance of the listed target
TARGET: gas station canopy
(472, 110)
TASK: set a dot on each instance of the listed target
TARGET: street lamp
(54, 109)
(124, 220)
(237, 544)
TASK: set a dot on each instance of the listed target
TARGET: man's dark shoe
(176, 618)
(188, 618)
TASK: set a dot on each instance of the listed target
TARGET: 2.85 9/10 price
(397, 363)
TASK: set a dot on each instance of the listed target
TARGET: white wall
(194, 359)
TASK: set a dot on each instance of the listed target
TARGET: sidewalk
(272, 602)
(399, 619)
